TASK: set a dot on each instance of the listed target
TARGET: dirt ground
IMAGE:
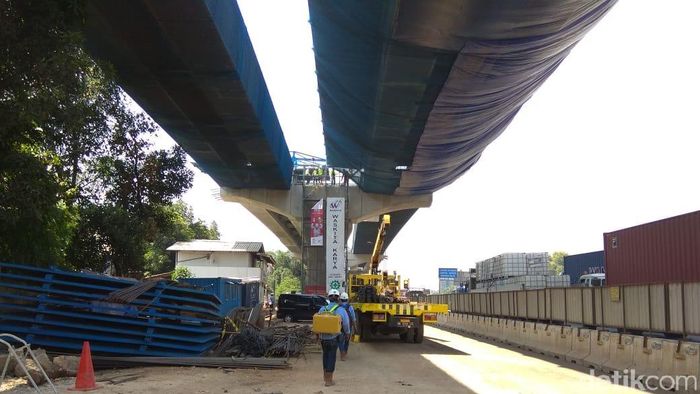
(443, 363)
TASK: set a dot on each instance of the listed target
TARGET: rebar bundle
(278, 341)
(129, 294)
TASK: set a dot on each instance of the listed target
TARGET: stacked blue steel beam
(58, 310)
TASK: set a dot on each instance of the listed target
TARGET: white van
(592, 280)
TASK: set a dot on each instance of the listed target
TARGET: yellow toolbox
(326, 323)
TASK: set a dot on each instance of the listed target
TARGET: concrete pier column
(286, 214)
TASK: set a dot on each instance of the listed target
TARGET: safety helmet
(344, 296)
(333, 292)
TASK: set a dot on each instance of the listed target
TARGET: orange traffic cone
(85, 381)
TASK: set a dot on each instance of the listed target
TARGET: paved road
(443, 363)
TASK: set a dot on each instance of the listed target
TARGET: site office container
(584, 263)
(664, 251)
(230, 291)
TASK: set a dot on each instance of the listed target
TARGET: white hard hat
(344, 296)
(333, 292)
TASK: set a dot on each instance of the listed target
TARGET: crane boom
(380, 304)
(379, 244)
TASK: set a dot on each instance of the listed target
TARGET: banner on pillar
(335, 244)
(316, 233)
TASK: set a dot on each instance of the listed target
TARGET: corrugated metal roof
(215, 245)
(255, 247)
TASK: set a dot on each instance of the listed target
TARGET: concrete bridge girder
(282, 210)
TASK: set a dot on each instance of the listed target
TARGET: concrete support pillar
(286, 212)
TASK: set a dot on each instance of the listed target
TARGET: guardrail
(672, 308)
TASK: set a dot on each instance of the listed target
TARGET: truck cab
(592, 280)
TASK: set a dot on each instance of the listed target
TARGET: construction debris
(67, 364)
(52, 371)
(278, 341)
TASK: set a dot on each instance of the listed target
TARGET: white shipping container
(558, 281)
(512, 264)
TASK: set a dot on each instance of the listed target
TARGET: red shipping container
(665, 251)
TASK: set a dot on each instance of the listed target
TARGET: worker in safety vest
(330, 342)
(345, 340)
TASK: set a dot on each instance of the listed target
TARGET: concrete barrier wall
(563, 340)
(603, 350)
(671, 308)
(526, 334)
(545, 338)
(600, 349)
(621, 352)
(479, 325)
(504, 324)
(647, 355)
(544, 342)
(580, 345)
(680, 358)
(514, 333)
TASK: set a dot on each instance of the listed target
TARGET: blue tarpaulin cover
(192, 67)
(428, 85)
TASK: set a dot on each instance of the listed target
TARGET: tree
(55, 103)
(133, 175)
(108, 234)
(127, 218)
(175, 223)
(287, 270)
(287, 285)
(80, 183)
(556, 262)
(35, 224)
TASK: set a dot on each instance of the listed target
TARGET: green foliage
(556, 262)
(132, 175)
(181, 272)
(80, 183)
(287, 285)
(107, 234)
(54, 115)
(173, 223)
(35, 223)
(286, 274)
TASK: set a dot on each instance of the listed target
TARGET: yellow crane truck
(379, 305)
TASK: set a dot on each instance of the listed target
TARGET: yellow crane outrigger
(376, 298)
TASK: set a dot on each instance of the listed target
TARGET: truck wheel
(418, 338)
(365, 331)
(410, 335)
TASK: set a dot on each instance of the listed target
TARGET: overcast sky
(610, 141)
